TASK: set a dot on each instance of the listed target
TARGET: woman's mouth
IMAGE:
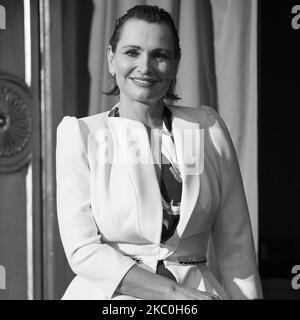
(142, 82)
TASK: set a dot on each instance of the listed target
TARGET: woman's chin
(146, 98)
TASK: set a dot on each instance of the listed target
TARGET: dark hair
(151, 14)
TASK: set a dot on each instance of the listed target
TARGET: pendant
(170, 208)
(176, 173)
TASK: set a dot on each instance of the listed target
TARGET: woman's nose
(145, 64)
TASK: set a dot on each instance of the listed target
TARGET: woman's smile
(144, 82)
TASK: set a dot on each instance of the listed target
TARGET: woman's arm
(147, 285)
(232, 233)
(87, 255)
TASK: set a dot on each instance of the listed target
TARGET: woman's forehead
(144, 34)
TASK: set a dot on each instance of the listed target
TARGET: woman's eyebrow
(140, 48)
(162, 50)
(132, 47)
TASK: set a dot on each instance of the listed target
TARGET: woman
(140, 188)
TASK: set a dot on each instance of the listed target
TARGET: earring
(112, 73)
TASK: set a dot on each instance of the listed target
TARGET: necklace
(174, 168)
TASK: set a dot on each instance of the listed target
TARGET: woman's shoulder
(209, 119)
(205, 115)
(72, 122)
(74, 129)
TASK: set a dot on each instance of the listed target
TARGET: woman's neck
(149, 114)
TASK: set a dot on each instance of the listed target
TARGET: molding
(51, 114)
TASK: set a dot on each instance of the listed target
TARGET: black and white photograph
(149, 150)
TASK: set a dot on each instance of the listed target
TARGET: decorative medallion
(15, 124)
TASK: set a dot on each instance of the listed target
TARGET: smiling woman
(167, 41)
(134, 229)
(143, 63)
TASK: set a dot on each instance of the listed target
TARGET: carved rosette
(15, 125)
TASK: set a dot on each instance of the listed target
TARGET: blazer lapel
(189, 144)
(133, 149)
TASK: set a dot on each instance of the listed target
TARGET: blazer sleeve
(232, 233)
(88, 257)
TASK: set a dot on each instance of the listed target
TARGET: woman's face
(144, 61)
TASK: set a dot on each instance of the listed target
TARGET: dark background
(279, 156)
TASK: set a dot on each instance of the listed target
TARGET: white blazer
(110, 212)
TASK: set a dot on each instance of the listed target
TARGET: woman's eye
(132, 53)
(160, 56)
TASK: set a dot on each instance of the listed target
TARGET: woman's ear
(110, 60)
